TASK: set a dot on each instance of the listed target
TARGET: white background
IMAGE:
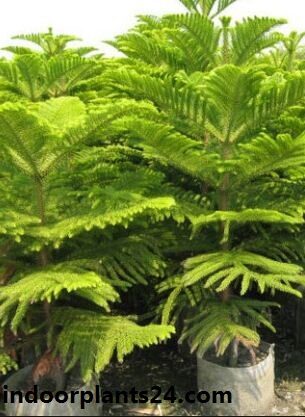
(98, 20)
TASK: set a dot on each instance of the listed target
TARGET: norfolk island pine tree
(211, 131)
(62, 195)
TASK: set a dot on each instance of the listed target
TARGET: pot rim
(84, 387)
(269, 349)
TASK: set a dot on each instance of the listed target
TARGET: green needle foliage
(76, 228)
(48, 68)
(7, 364)
(225, 323)
(182, 163)
(34, 77)
(106, 336)
(211, 137)
(195, 42)
(211, 8)
(48, 44)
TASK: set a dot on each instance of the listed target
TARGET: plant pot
(53, 408)
(252, 387)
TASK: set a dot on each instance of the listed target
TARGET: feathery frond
(108, 336)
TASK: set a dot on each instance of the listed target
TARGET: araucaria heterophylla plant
(244, 185)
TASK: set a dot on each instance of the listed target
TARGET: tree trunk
(224, 205)
(43, 256)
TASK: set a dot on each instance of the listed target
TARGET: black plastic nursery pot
(251, 387)
(46, 407)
